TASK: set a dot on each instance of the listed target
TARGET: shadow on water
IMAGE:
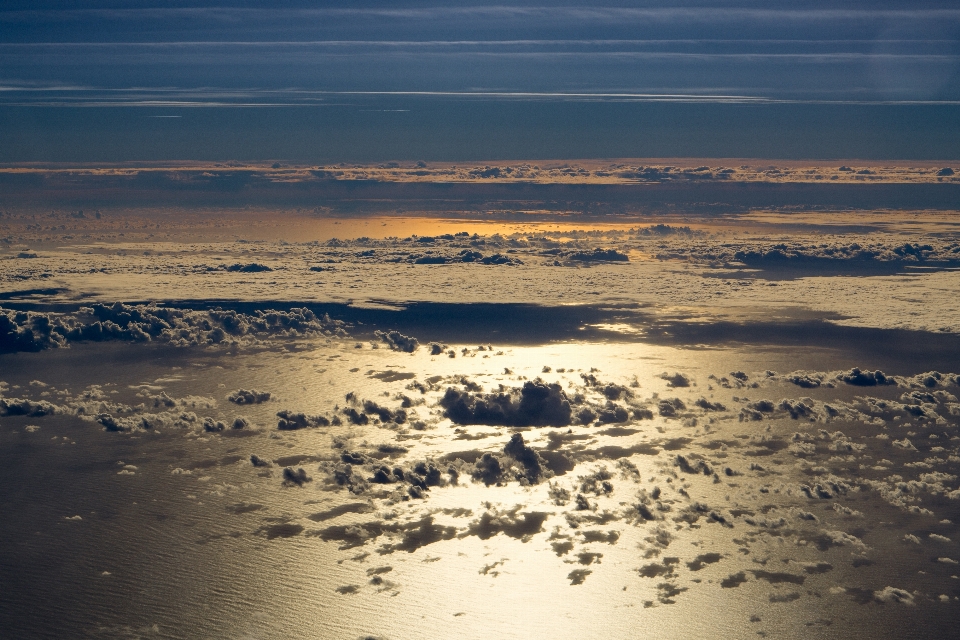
(813, 268)
(530, 325)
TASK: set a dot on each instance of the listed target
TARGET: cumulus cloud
(511, 522)
(290, 421)
(865, 378)
(251, 396)
(892, 594)
(29, 331)
(668, 407)
(597, 255)
(213, 426)
(412, 535)
(535, 404)
(398, 416)
(296, 476)
(252, 267)
(398, 341)
(534, 467)
(675, 380)
(518, 461)
(257, 461)
(26, 407)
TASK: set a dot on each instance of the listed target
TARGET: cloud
(597, 255)
(706, 405)
(213, 426)
(413, 535)
(290, 421)
(512, 522)
(668, 407)
(252, 267)
(892, 594)
(25, 407)
(578, 576)
(865, 378)
(807, 379)
(29, 331)
(398, 416)
(703, 560)
(257, 461)
(733, 580)
(534, 467)
(535, 404)
(244, 396)
(420, 534)
(296, 477)
(656, 569)
(518, 462)
(398, 341)
(778, 578)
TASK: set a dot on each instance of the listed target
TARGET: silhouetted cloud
(535, 404)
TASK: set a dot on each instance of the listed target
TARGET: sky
(326, 81)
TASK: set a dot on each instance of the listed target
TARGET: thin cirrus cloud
(798, 51)
(420, 72)
(481, 22)
(903, 70)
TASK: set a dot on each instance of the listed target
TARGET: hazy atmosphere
(392, 320)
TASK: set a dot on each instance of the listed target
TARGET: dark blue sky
(738, 73)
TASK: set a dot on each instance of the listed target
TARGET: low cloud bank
(32, 331)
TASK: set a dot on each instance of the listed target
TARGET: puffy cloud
(252, 267)
(699, 466)
(291, 421)
(413, 535)
(296, 476)
(668, 407)
(398, 341)
(706, 405)
(676, 380)
(597, 255)
(28, 331)
(420, 534)
(25, 407)
(535, 404)
(892, 594)
(251, 396)
(578, 576)
(511, 522)
(534, 467)
(733, 580)
(23, 331)
(778, 578)
(807, 379)
(657, 569)
(865, 378)
(398, 416)
(257, 461)
(213, 426)
(518, 462)
(703, 560)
